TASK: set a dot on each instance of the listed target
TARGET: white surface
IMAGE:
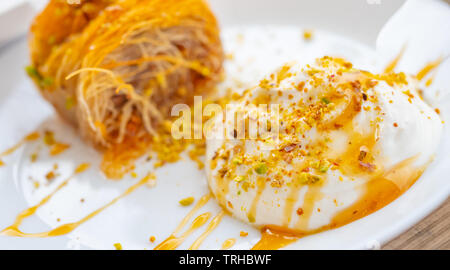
(14, 19)
(360, 20)
(417, 134)
(16, 16)
(155, 211)
(5, 5)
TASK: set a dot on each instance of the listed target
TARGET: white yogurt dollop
(349, 142)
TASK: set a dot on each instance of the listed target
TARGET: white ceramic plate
(155, 211)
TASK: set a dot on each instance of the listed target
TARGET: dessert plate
(256, 43)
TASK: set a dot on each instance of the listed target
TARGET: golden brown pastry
(114, 69)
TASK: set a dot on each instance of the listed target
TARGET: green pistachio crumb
(187, 201)
(325, 100)
(240, 178)
(251, 218)
(261, 169)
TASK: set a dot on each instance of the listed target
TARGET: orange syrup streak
(172, 242)
(13, 230)
(227, 244)
(30, 137)
(214, 223)
(393, 64)
(379, 192)
(428, 68)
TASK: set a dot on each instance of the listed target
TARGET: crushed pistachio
(49, 138)
(187, 201)
(36, 184)
(240, 178)
(118, 246)
(315, 164)
(237, 160)
(58, 148)
(70, 103)
(243, 234)
(362, 155)
(82, 167)
(294, 157)
(308, 179)
(307, 35)
(367, 166)
(34, 74)
(261, 168)
(50, 176)
(46, 82)
(245, 186)
(325, 100)
(32, 136)
(33, 157)
(251, 218)
(324, 166)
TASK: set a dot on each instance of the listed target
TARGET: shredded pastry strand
(114, 68)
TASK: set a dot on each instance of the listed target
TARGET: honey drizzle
(212, 225)
(30, 137)
(227, 244)
(261, 186)
(291, 200)
(428, 68)
(203, 200)
(223, 188)
(171, 242)
(379, 192)
(67, 228)
(273, 238)
(14, 230)
(393, 64)
(313, 194)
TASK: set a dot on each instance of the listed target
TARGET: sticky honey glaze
(229, 243)
(428, 68)
(393, 64)
(379, 192)
(261, 186)
(30, 137)
(172, 242)
(274, 237)
(14, 230)
(212, 225)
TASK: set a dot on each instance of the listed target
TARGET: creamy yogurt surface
(347, 143)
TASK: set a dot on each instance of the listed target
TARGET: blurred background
(16, 15)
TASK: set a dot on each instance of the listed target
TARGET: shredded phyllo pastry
(114, 69)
